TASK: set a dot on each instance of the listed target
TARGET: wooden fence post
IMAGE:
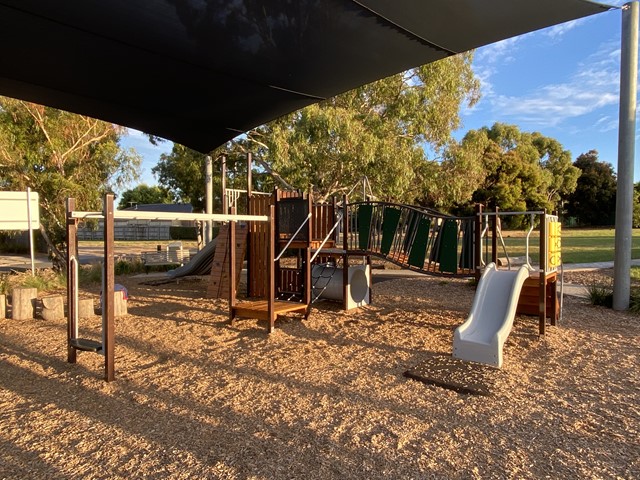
(23, 303)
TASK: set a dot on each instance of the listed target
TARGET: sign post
(21, 211)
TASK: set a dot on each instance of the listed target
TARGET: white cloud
(606, 124)
(559, 30)
(592, 87)
(502, 51)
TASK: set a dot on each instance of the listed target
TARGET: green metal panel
(412, 225)
(390, 219)
(365, 213)
(468, 240)
(418, 250)
(448, 253)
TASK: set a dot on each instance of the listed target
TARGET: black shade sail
(199, 72)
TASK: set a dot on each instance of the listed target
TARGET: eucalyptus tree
(59, 155)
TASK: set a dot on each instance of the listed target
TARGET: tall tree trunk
(58, 259)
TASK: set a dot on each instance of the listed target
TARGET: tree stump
(52, 307)
(85, 308)
(119, 304)
(3, 307)
(23, 302)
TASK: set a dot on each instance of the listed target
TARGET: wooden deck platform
(260, 309)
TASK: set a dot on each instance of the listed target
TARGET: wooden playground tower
(414, 238)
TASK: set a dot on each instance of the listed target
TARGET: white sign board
(14, 211)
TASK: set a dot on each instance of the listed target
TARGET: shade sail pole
(626, 154)
(209, 198)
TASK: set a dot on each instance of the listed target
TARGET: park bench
(172, 255)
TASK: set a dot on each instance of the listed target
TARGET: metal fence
(128, 232)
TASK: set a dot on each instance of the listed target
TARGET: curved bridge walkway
(411, 237)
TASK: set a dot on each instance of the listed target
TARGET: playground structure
(294, 260)
(300, 251)
(325, 236)
(413, 238)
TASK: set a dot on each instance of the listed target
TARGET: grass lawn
(579, 245)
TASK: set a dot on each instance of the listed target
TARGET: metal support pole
(249, 175)
(108, 312)
(208, 227)
(626, 154)
(223, 183)
(33, 263)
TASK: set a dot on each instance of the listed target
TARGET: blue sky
(562, 81)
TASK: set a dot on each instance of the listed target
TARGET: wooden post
(249, 192)
(72, 252)
(232, 267)
(553, 296)
(52, 307)
(23, 303)
(108, 291)
(478, 242)
(86, 308)
(345, 258)
(119, 304)
(307, 258)
(271, 269)
(543, 274)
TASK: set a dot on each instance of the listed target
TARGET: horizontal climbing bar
(141, 215)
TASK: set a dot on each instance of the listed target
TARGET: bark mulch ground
(318, 399)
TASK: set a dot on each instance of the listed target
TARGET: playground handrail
(293, 237)
(526, 251)
(427, 210)
(335, 225)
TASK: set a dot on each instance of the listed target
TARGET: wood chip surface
(319, 399)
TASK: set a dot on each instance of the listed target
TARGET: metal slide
(481, 337)
(199, 264)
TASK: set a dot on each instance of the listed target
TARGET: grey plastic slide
(482, 336)
(199, 264)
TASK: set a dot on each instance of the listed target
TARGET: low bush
(44, 280)
(601, 295)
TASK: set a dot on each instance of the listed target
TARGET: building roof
(163, 207)
(201, 72)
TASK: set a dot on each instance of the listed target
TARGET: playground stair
(219, 277)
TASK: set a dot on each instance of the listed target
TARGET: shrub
(43, 280)
(183, 233)
(634, 301)
(90, 274)
(128, 267)
(601, 295)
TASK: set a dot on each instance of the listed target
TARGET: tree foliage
(143, 194)
(60, 155)
(505, 167)
(182, 173)
(594, 200)
(378, 130)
